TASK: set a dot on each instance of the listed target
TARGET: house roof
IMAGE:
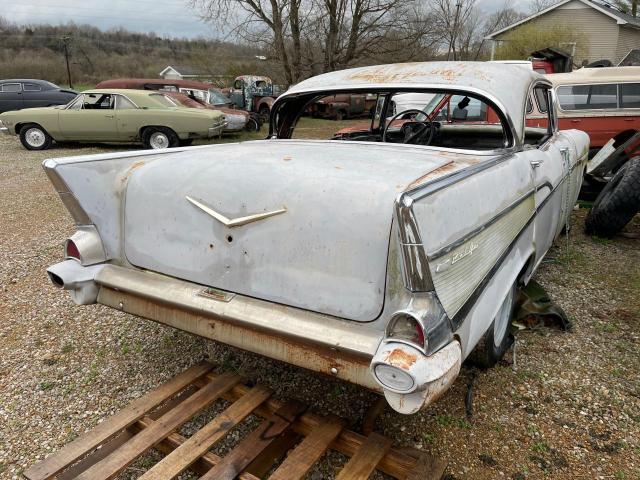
(184, 70)
(620, 17)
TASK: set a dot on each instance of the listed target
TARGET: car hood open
(324, 250)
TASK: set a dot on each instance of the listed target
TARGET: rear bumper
(322, 343)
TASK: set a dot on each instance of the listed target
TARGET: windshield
(216, 97)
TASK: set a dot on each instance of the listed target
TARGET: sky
(170, 18)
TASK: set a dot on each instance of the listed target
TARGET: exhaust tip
(56, 279)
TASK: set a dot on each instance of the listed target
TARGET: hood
(322, 244)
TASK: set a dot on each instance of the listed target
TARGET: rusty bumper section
(314, 341)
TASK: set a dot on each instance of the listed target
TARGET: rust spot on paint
(131, 169)
(401, 359)
(287, 158)
(446, 168)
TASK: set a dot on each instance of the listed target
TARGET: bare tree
(539, 5)
(452, 18)
(627, 6)
(326, 34)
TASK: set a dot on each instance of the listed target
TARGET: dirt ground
(567, 408)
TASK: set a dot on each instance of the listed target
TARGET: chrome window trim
(514, 136)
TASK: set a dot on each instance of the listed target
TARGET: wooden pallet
(286, 444)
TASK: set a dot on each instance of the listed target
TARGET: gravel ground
(569, 410)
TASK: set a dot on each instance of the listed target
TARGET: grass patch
(451, 421)
(541, 447)
(46, 385)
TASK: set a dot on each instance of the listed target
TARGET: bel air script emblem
(456, 257)
(233, 222)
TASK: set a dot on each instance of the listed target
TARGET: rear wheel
(264, 114)
(253, 125)
(498, 339)
(158, 138)
(34, 137)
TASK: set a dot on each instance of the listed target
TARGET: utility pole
(65, 44)
(452, 45)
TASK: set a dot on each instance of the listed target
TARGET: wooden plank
(273, 454)
(251, 447)
(201, 441)
(110, 427)
(364, 462)
(394, 463)
(298, 462)
(123, 456)
(173, 441)
(427, 467)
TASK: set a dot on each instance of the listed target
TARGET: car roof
(139, 97)
(597, 75)
(140, 82)
(24, 80)
(506, 85)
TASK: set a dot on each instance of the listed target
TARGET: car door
(11, 97)
(90, 118)
(33, 96)
(551, 165)
(129, 118)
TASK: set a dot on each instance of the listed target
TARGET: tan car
(113, 116)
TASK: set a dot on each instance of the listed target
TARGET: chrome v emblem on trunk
(233, 222)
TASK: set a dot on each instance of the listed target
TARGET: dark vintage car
(16, 94)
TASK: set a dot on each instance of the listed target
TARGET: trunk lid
(327, 252)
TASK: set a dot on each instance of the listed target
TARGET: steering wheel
(427, 124)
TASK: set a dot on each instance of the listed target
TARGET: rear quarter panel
(466, 227)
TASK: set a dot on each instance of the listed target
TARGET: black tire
(186, 143)
(264, 114)
(498, 338)
(154, 137)
(618, 202)
(253, 125)
(34, 137)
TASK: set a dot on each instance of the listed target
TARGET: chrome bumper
(5, 130)
(344, 349)
(318, 342)
(216, 130)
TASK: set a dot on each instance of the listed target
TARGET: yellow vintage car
(113, 115)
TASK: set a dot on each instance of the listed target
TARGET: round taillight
(405, 327)
(71, 250)
(393, 378)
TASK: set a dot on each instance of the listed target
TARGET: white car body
(306, 250)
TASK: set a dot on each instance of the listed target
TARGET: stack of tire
(617, 203)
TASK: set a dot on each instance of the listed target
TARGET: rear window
(588, 97)
(32, 87)
(630, 95)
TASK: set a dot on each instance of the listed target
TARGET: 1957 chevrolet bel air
(384, 259)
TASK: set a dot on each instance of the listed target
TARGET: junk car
(384, 259)
(112, 115)
(255, 94)
(200, 94)
(17, 94)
